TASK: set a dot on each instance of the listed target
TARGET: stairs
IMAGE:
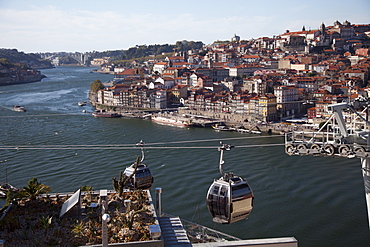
(173, 232)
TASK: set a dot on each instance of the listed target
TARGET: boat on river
(82, 103)
(171, 120)
(19, 108)
(105, 114)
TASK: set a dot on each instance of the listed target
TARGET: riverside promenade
(208, 119)
(250, 127)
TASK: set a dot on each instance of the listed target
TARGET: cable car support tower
(345, 134)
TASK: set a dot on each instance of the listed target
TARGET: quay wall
(247, 121)
(229, 119)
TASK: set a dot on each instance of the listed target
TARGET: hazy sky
(87, 25)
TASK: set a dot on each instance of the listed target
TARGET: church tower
(185, 56)
(235, 38)
(210, 63)
(322, 28)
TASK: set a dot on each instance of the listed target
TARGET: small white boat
(82, 103)
(256, 132)
(221, 127)
(19, 108)
(242, 130)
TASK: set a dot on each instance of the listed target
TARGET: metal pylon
(365, 162)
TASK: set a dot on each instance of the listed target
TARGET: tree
(5, 62)
(322, 124)
(124, 179)
(9, 197)
(203, 53)
(45, 223)
(88, 189)
(79, 229)
(312, 73)
(34, 189)
(96, 86)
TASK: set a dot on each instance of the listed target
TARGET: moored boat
(105, 114)
(6, 186)
(221, 127)
(243, 130)
(82, 103)
(174, 121)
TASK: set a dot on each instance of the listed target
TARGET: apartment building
(287, 100)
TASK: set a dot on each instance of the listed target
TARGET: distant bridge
(81, 58)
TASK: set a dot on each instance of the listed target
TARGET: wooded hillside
(31, 60)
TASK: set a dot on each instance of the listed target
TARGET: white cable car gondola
(142, 178)
(229, 198)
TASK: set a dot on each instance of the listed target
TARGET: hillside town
(18, 67)
(15, 75)
(294, 74)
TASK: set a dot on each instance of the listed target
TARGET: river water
(319, 201)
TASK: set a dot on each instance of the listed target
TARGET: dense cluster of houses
(16, 75)
(265, 79)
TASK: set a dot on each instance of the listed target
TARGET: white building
(168, 82)
(119, 69)
(160, 67)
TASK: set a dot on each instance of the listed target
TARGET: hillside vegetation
(145, 52)
(31, 60)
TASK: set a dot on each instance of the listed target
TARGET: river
(319, 201)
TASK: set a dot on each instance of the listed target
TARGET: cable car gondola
(142, 179)
(229, 198)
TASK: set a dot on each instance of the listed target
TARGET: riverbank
(230, 122)
(12, 81)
